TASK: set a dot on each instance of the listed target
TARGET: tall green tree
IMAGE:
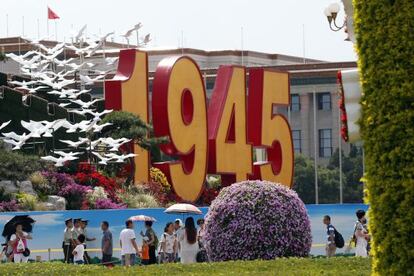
(385, 46)
(130, 126)
(352, 170)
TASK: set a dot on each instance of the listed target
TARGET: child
(79, 251)
(145, 251)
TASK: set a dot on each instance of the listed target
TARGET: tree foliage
(130, 126)
(17, 166)
(328, 179)
(385, 45)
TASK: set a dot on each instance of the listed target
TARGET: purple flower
(107, 203)
(74, 195)
(257, 220)
(9, 206)
(57, 181)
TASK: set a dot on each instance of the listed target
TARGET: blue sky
(274, 26)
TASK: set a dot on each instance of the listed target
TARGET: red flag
(51, 14)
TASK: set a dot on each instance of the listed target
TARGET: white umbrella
(183, 208)
(142, 218)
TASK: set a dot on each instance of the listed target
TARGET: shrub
(27, 202)
(5, 196)
(56, 181)
(96, 179)
(138, 197)
(214, 182)
(159, 177)
(95, 194)
(385, 42)
(74, 195)
(107, 203)
(40, 183)
(257, 220)
(207, 196)
(9, 206)
(16, 166)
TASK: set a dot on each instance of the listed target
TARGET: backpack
(339, 240)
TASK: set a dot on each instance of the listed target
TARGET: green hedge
(385, 45)
(306, 266)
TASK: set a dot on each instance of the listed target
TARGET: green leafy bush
(17, 166)
(27, 202)
(5, 196)
(385, 45)
(137, 196)
(40, 183)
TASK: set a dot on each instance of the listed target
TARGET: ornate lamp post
(331, 13)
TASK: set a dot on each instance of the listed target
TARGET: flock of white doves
(47, 72)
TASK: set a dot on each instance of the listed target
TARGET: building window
(297, 141)
(294, 103)
(324, 101)
(325, 142)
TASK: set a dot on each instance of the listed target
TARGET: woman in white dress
(361, 240)
(188, 242)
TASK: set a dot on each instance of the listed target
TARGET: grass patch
(292, 266)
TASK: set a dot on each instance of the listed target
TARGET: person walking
(168, 244)
(330, 232)
(106, 244)
(19, 243)
(188, 242)
(69, 237)
(129, 248)
(361, 235)
(152, 242)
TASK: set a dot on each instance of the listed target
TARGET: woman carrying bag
(19, 243)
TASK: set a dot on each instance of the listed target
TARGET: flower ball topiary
(257, 220)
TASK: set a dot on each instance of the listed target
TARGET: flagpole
(56, 30)
(48, 28)
(22, 26)
(7, 25)
(38, 29)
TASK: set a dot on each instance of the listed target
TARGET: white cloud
(48, 219)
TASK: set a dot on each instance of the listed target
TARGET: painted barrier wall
(49, 226)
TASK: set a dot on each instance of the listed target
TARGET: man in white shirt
(129, 248)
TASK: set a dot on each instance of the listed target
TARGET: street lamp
(331, 13)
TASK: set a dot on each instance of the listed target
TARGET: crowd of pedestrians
(179, 243)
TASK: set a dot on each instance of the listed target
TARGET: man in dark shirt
(106, 243)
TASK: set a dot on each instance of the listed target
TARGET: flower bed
(257, 220)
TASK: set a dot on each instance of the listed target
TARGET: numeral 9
(179, 112)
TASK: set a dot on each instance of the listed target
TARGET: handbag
(26, 252)
(201, 256)
(20, 246)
